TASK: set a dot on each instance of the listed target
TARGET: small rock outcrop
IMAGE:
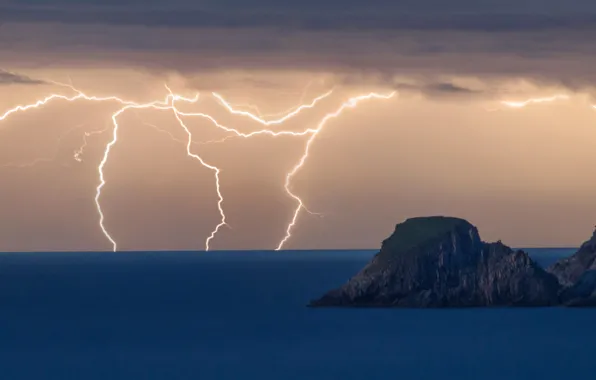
(577, 275)
(442, 262)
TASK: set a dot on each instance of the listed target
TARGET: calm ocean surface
(242, 315)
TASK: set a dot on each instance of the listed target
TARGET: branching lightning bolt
(277, 114)
(162, 105)
(169, 103)
(102, 181)
(281, 120)
(351, 103)
(46, 100)
(215, 169)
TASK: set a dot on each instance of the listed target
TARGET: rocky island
(577, 275)
(438, 262)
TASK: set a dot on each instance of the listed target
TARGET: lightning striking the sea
(169, 104)
(351, 103)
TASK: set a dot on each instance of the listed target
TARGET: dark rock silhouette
(442, 262)
(577, 275)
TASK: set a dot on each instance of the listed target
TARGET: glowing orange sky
(446, 145)
(521, 175)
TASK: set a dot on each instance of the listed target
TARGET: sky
(444, 145)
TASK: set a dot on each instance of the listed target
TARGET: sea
(243, 315)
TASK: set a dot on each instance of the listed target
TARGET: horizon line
(242, 250)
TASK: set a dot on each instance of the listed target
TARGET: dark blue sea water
(242, 315)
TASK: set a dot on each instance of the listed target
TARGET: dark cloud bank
(309, 16)
(545, 41)
(7, 78)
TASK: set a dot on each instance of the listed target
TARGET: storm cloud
(311, 20)
(7, 78)
(537, 40)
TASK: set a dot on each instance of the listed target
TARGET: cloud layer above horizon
(374, 40)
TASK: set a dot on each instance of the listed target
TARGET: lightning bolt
(527, 102)
(46, 100)
(277, 114)
(351, 103)
(242, 134)
(215, 169)
(281, 120)
(109, 146)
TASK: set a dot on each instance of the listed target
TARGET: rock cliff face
(577, 275)
(442, 262)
